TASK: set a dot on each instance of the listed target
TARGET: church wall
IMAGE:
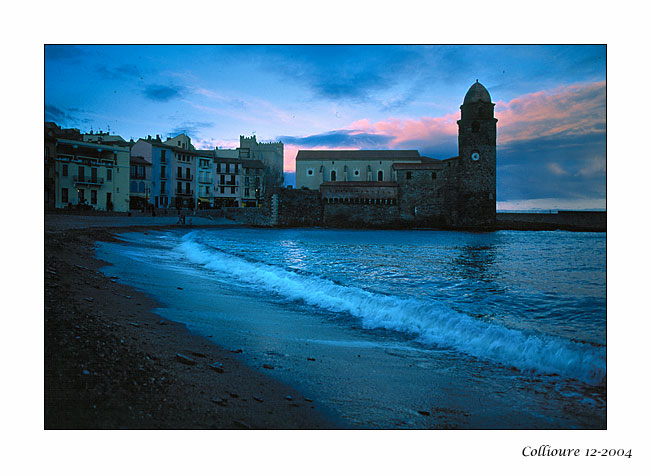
(368, 170)
(421, 197)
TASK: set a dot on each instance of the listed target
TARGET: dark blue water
(516, 317)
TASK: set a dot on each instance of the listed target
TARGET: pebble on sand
(185, 360)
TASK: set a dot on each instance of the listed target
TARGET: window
(221, 189)
(178, 172)
(163, 156)
(433, 175)
(233, 190)
(93, 197)
(309, 172)
(476, 126)
(380, 175)
(64, 170)
(64, 195)
(357, 173)
(247, 192)
(163, 171)
(409, 175)
(109, 203)
(163, 188)
(109, 174)
(187, 188)
(333, 175)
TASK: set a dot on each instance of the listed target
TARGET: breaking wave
(431, 323)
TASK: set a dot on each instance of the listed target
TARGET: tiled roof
(421, 166)
(357, 154)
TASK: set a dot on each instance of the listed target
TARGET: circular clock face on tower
(476, 156)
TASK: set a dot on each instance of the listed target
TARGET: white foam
(431, 323)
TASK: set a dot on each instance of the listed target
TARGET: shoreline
(110, 362)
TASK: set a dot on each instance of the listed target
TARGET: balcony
(137, 176)
(184, 177)
(83, 180)
(184, 194)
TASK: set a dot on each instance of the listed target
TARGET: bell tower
(477, 161)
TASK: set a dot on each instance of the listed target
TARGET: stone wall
(297, 208)
(250, 216)
(421, 196)
(357, 215)
(563, 220)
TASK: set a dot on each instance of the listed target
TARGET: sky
(550, 103)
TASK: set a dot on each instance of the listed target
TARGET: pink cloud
(431, 129)
(572, 110)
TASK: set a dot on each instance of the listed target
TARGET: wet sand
(110, 363)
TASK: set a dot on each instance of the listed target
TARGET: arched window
(333, 175)
(380, 175)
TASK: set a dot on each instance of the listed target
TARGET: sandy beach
(111, 363)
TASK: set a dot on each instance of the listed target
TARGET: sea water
(397, 329)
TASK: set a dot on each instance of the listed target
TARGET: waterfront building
(173, 170)
(91, 173)
(253, 173)
(227, 185)
(140, 182)
(204, 184)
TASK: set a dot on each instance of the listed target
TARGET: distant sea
(397, 329)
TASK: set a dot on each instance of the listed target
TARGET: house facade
(93, 174)
(140, 182)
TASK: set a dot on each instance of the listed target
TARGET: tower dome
(477, 93)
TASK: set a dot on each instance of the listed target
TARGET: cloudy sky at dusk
(550, 102)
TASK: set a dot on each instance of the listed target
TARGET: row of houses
(105, 172)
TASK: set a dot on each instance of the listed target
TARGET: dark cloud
(341, 138)
(161, 93)
(560, 167)
(190, 128)
(54, 114)
(127, 71)
(68, 117)
(341, 72)
(63, 53)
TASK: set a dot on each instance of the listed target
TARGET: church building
(404, 188)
